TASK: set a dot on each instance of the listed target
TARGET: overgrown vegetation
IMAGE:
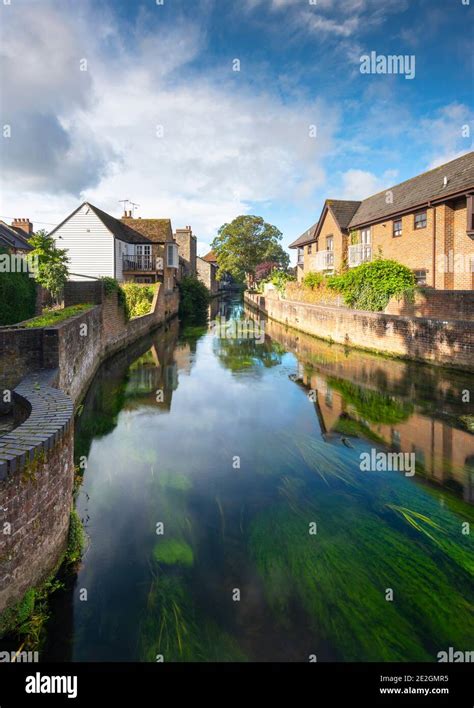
(113, 286)
(374, 406)
(53, 270)
(138, 298)
(52, 317)
(17, 296)
(194, 300)
(371, 285)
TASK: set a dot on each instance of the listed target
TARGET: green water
(229, 520)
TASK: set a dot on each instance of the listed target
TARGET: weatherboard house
(127, 249)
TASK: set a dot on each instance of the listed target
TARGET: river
(228, 517)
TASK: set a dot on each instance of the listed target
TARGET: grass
(50, 318)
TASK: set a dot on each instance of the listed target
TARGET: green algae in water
(174, 629)
(173, 552)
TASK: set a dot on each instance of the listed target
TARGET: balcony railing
(142, 263)
(359, 253)
(322, 260)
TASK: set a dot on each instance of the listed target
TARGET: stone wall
(36, 458)
(36, 479)
(448, 343)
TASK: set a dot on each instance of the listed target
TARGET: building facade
(425, 223)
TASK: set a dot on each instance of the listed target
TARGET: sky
(202, 110)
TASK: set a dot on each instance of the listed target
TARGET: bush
(113, 286)
(194, 300)
(17, 297)
(371, 285)
(313, 280)
(138, 298)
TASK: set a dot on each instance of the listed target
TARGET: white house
(128, 249)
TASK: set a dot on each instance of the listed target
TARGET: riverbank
(448, 343)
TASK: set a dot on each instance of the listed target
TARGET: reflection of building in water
(444, 454)
(151, 380)
(184, 358)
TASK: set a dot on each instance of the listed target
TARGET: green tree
(53, 262)
(245, 243)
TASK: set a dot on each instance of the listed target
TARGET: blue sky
(158, 115)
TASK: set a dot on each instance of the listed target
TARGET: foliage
(321, 295)
(173, 552)
(313, 280)
(53, 317)
(374, 406)
(138, 298)
(110, 286)
(194, 300)
(264, 270)
(17, 297)
(53, 270)
(76, 539)
(245, 243)
(371, 285)
(279, 279)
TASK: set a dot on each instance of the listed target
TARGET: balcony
(322, 260)
(141, 264)
(359, 253)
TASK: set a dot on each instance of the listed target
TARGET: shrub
(371, 285)
(138, 298)
(194, 300)
(17, 297)
(313, 280)
(110, 286)
(49, 318)
(321, 295)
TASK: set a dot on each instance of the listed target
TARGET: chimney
(23, 224)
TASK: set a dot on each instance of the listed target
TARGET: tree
(53, 270)
(244, 243)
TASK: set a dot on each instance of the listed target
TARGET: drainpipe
(434, 247)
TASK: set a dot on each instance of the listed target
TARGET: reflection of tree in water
(240, 354)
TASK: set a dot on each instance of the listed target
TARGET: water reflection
(231, 521)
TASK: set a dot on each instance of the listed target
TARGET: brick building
(426, 223)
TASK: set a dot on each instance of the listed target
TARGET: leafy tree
(245, 243)
(53, 262)
(194, 300)
(264, 270)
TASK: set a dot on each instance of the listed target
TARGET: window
(330, 243)
(420, 277)
(365, 236)
(397, 227)
(420, 220)
(172, 260)
(470, 215)
(310, 248)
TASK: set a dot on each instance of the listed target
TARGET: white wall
(89, 243)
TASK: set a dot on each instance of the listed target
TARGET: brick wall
(448, 343)
(438, 304)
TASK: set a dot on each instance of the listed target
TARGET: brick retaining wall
(448, 343)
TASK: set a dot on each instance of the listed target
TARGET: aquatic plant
(173, 552)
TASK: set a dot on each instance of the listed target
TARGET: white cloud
(94, 136)
(360, 184)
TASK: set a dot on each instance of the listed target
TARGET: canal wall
(443, 342)
(46, 371)
(36, 481)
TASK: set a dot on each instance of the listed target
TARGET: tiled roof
(156, 230)
(209, 257)
(305, 238)
(115, 226)
(343, 211)
(418, 191)
(11, 237)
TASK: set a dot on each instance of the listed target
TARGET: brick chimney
(23, 224)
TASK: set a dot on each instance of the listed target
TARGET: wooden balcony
(142, 264)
